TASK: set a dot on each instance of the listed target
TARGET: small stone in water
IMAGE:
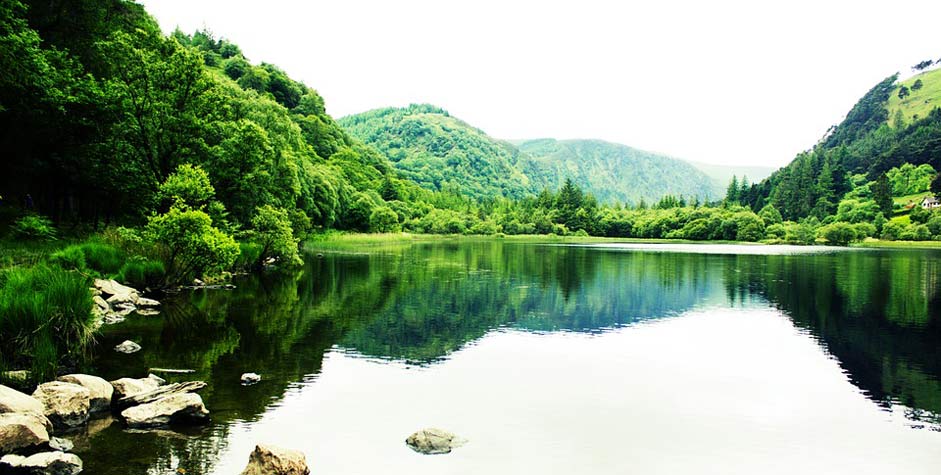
(250, 378)
(127, 347)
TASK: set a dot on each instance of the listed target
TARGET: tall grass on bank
(45, 318)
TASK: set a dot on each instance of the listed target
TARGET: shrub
(272, 229)
(249, 255)
(45, 315)
(839, 233)
(34, 227)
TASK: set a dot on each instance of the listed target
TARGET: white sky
(746, 83)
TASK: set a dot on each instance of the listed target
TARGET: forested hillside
(895, 124)
(440, 152)
(613, 172)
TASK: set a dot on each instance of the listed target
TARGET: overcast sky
(747, 83)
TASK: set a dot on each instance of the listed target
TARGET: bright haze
(742, 83)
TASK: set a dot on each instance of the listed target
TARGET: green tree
(917, 85)
(189, 245)
(271, 228)
(839, 233)
(882, 194)
(188, 186)
(903, 92)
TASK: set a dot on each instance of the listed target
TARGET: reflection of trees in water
(877, 313)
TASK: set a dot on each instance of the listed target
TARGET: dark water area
(552, 359)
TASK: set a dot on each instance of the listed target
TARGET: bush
(45, 315)
(142, 273)
(249, 255)
(34, 227)
(839, 233)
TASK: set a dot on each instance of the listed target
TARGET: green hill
(430, 147)
(919, 101)
(613, 172)
(887, 129)
(437, 151)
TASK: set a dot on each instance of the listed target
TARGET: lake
(552, 359)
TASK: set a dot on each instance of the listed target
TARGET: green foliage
(857, 210)
(70, 258)
(33, 227)
(919, 215)
(187, 186)
(382, 219)
(882, 194)
(770, 215)
(142, 273)
(189, 245)
(839, 233)
(102, 258)
(909, 179)
(271, 227)
(45, 315)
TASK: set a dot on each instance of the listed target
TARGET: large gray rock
(23, 430)
(250, 378)
(159, 393)
(127, 347)
(65, 404)
(272, 460)
(111, 287)
(183, 408)
(43, 463)
(62, 445)
(100, 391)
(144, 302)
(433, 441)
(12, 400)
(126, 387)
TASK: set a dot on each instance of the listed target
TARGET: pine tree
(883, 194)
(731, 194)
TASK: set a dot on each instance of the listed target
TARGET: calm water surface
(554, 359)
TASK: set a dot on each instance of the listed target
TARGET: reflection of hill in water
(451, 298)
(876, 312)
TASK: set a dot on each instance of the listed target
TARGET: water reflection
(875, 312)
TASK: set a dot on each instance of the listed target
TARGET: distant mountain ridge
(438, 151)
(613, 172)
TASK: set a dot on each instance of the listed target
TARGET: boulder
(184, 408)
(159, 393)
(22, 431)
(112, 287)
(250, 378)
(272, 460)
(65, 404)
(62, 445)
(12, 400)
(126, 387)
(43, 463)
(118, 301)
(148, 312)
(100, 390)
(101, 305)
(433, 441)
(127, 347)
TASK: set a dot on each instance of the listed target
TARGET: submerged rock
(272, 460)
(185, 408)
(127, 347)
(111, 288)
(145, 302)
(65, 404)
(22, 431)
(43, 463)
(250, 378)
(434, 441)
(12, 400)
(100, 391)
